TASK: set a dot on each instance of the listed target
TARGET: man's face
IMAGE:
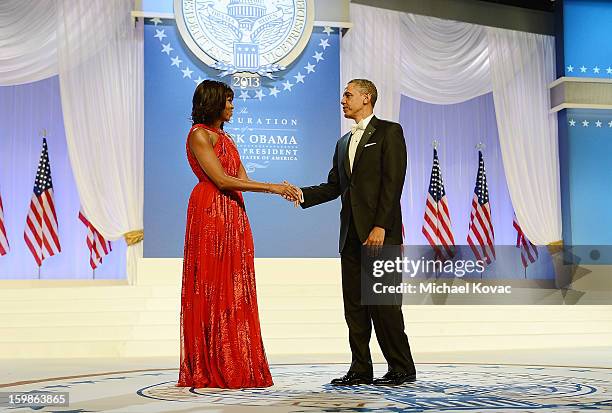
(353, 101)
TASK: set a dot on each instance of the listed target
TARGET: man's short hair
(367, 87)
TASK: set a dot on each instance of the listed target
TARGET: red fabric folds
(221, 343)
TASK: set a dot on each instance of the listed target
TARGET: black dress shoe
(395, 378)
(352, 379)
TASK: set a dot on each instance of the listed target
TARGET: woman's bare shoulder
(202, 135)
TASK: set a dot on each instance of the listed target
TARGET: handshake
(288, 191)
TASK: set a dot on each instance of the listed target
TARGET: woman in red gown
(221, 344)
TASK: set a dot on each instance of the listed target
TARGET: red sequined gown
(221, 344)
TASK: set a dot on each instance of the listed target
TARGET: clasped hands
(288, 191)
(292, 193)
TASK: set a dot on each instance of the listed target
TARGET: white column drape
(442, 62)
(28, 50)
(522, 67)
(100, 56)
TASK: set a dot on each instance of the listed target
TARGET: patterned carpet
(305, 388)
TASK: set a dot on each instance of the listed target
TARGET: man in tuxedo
(368, 171)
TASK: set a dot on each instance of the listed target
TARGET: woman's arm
(202, 147)
(242, 174)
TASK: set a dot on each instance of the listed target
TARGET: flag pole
(435, 144)
(41, 212)
(43, 134)
(93, 272)
(479, 147)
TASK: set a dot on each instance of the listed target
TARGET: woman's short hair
(209, 101)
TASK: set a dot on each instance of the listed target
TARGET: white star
(156, 20)
(287, 86)
(244, 95)
(318, 56)
(176, 61)
(596, 69)
(570, 68)
(160, 34)
(583, 69)
(167, 49)
(598, 124)
(609, 70)
(572, 122)
(259, 94)
(299, 78)
(310, 68)
(198, 80)
(610, 124)
(324, 43)
(187, 72)
(328, 30)
(585, 123)
(274, 91)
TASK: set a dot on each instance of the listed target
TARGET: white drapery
(100, 60)
(522, 65)
(97, 50)
(443, 62)
(28, 49)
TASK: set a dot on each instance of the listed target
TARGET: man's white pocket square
(369, 144)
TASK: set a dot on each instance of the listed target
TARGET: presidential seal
(245, 36)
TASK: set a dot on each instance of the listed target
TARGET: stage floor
(583, 382)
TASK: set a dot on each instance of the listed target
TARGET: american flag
(41, 234)
(4, 244)
(481, 236)
(98, 246)
(436, 220)
(529, 252)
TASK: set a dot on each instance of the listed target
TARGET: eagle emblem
(252, 36)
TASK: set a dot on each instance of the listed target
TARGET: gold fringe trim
(555, 246)
(134, 237)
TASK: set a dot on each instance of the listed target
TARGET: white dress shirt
(357, 132)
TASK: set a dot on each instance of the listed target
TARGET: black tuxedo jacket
(371, 192)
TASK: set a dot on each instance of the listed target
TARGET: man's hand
(376, 237)
(286, 190)
(297, 200)
(300, 199)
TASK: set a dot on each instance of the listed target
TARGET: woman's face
(226, 116)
